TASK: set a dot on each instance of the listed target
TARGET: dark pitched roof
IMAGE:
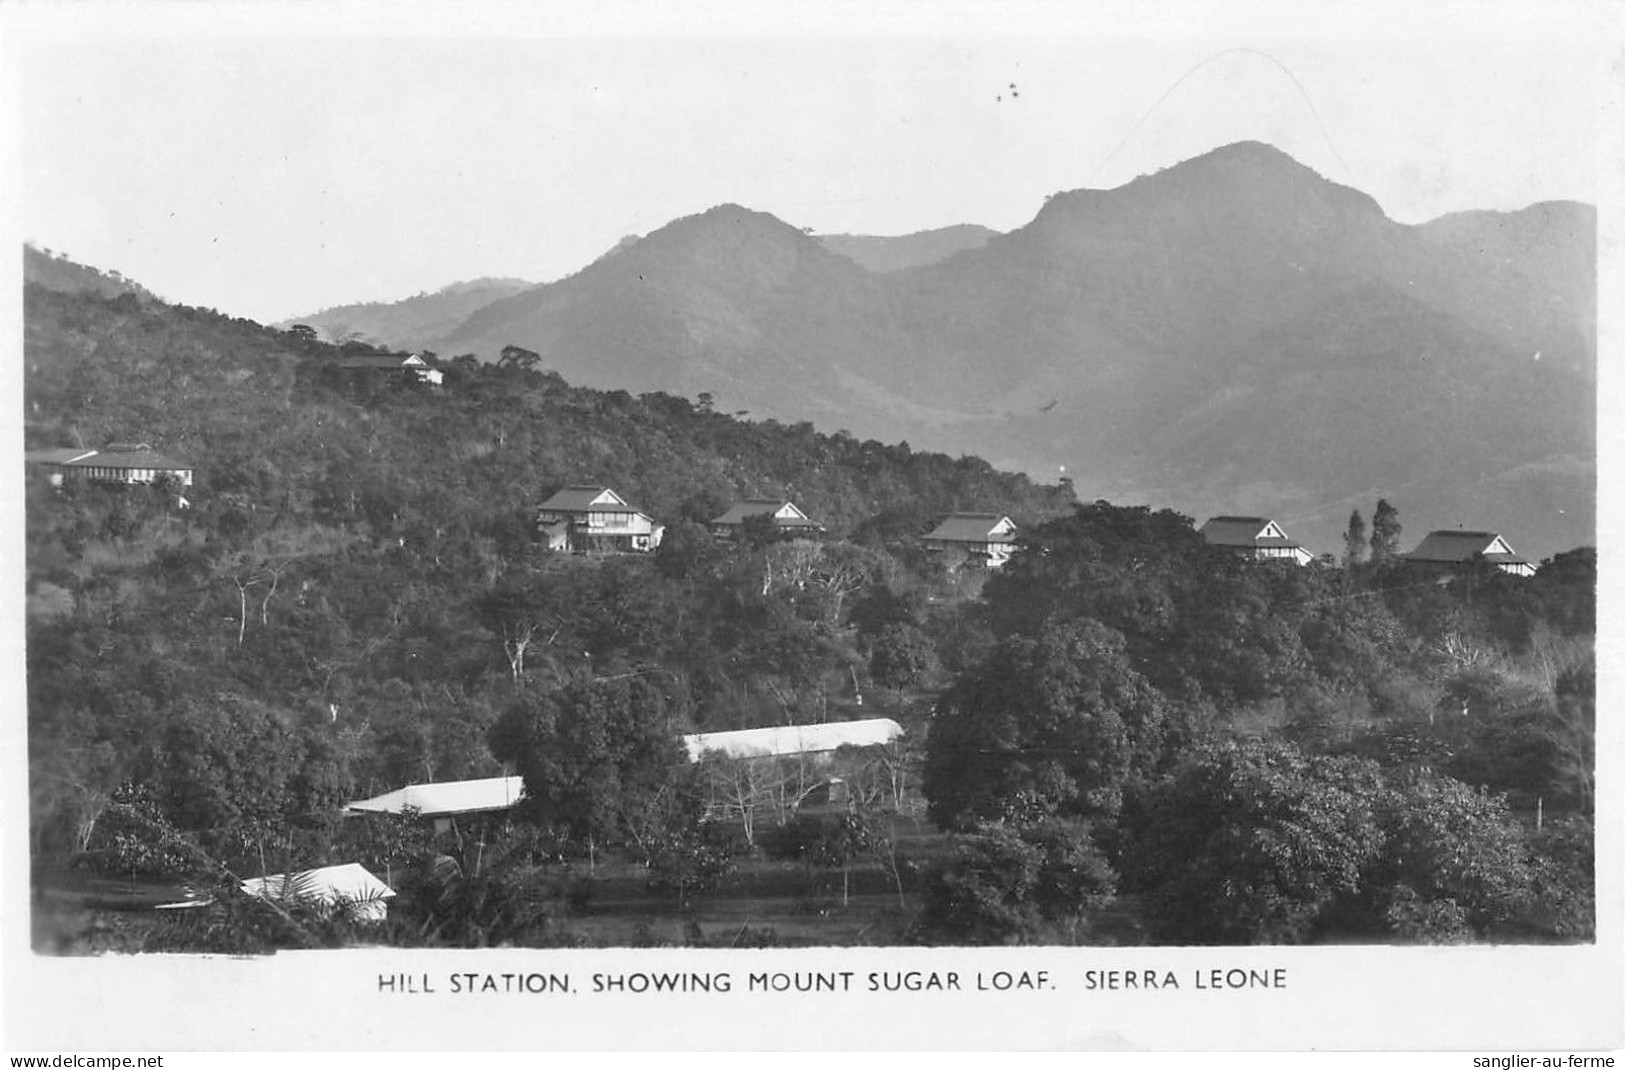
(579, 499)
(1453, 547)
(971, 527)
(385, 361)
(56, 455)
(143, 457)
(1244, 531)
(740, 511)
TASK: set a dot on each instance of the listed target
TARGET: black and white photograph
(989, 526)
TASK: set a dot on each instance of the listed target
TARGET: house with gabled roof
(1453, 549)
(583, 519)
(786, 516)
(1257, 536)
(988, 537)
(421, 367)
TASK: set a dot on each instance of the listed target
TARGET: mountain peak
(736, 215)
(1246, 182)
(1255, 163)
(1249, 150)
(729, 230)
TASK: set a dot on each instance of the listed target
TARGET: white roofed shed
(351, 886)
(783, 740)
(447, 799)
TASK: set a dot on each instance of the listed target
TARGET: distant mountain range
(1233, 334)
(400, 323)
(416, 321)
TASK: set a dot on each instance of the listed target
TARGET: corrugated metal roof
(740, 511)
(447, 797)
(1244, 531)
(129, 459)
(57, 456)
(1233, 530)
(579, 499)
(351, 883)
(1458, 546)
(384, 361)
(972, 527)
(793, 739)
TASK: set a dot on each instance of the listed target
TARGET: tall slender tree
(1354, 545)
(1385, 529)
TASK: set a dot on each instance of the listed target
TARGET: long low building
(120, 462)
(787, 740)
(447, 799)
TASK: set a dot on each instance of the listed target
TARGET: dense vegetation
(1126, 735)
(1268, 753)
(353, 597)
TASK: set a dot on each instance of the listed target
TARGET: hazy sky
(277, 159)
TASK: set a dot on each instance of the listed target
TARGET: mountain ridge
(399, 323)
(1083, 337)
(881, 254)
(1127, 335)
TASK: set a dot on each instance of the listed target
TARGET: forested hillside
(1124, 736)
(345, 584)
(57, 271)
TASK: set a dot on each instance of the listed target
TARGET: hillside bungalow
(1259, 537)
(120, 462)
(364, 363)
(444, 802)
(787, 518)
(351, 886)
(582, 519)
(791, 740)
(1448, 550)
(988, 537)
